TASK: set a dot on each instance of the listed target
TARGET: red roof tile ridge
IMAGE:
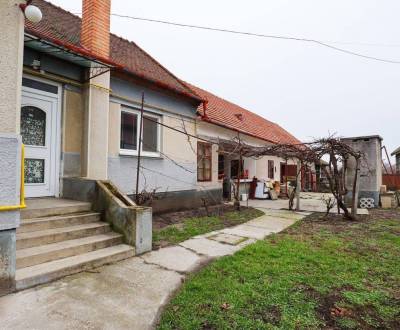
(190, 86)
(234, 105)
(157, 63)
(58, 8)
(219, 105)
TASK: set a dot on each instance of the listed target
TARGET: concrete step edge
(29, 213)
(50, 271)
(58, 217)
(40, 224)
(49, 252)
(49, 236)
(67, 229)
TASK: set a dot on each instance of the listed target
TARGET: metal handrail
(22, 204)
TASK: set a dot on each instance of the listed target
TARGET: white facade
(254, 167)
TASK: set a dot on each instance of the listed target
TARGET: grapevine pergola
(338, 153)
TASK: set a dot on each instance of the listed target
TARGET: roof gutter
(205, 107)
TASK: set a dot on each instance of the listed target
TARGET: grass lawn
(327, 274)
(193, 226)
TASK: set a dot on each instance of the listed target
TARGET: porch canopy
(233, 147)
(67, 52)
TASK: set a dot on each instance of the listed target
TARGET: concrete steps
(61, 237)
(49, 252)
(41, 237)
(50, 271)
(30, 225)
(45, 207)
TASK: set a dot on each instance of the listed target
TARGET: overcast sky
(309, 90)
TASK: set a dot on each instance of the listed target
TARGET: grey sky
(308, 90)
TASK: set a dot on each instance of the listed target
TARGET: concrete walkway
(309, 202)
(131, 293)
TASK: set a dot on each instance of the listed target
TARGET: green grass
(315, 275)
(190, 227)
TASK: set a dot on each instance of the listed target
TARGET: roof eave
(396, 152)
(161, 84)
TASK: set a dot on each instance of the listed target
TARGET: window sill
(126, 153)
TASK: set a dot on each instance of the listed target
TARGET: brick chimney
(95, 34)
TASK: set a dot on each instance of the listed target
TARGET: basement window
(130, 128)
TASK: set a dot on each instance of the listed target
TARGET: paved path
(309, 202)
(131, 293)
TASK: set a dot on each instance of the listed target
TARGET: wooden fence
(391, 181)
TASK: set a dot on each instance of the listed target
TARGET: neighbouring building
(396, 154)
(322, 181)
(223, 121)
(370, 174)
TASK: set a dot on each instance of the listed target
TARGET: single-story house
(77, 96)
(82, 91)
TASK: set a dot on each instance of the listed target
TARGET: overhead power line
(259, 35)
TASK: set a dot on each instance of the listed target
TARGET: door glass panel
(33, 126)
(34, 170)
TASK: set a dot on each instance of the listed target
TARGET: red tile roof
(226, 114)
(61, 26)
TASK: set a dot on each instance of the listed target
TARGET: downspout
(205, 107)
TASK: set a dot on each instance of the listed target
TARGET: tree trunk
(334, 185)
(354, 200)
(298, 185)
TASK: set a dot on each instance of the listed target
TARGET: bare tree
(329, 202)
(338, 153)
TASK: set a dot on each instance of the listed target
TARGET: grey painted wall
(10, 183)
(7, 260)
(168, 102)
(10, 178)
(71, 164)
(184, 200)
(162, 175)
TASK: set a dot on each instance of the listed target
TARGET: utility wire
(271, 36)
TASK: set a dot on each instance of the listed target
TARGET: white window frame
(129, 152)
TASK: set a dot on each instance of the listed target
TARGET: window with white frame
(130, 128)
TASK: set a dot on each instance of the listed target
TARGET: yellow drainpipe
(22, 193)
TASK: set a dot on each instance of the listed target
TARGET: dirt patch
(270, 315)
(332, 309)
(335, 223)
(175, 218)
(328, 305)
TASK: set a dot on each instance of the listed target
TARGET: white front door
(39, 134)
